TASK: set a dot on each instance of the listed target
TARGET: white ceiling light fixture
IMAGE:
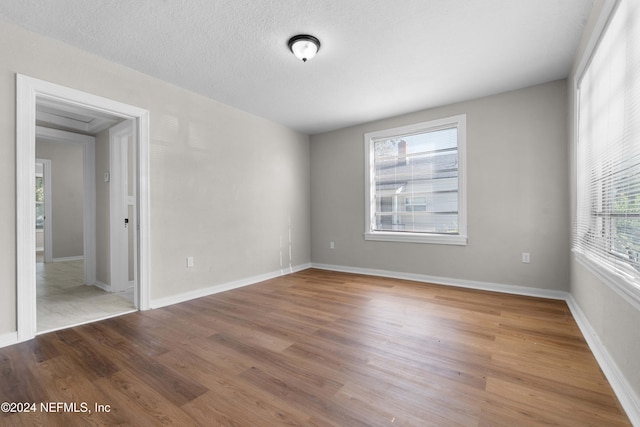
(304, 46)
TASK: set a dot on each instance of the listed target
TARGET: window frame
(622, 280)
(461, 238)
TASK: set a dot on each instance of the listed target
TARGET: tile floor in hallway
(63, 300)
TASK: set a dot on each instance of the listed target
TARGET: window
(607, 224)
(415, 183)
(415, 204)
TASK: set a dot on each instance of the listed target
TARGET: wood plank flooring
(318, 348)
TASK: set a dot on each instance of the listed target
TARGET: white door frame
(27, 90)
(88, 198)
(119, 201)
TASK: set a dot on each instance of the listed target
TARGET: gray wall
(517, 195)
(226, 186)
(67, 195)
(614, 319)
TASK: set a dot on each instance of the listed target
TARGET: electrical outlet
(189, 261)
(526, 257)
(332, 245)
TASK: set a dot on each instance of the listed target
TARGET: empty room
(320, 212)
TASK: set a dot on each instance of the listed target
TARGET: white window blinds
(416, 182)
(607, 223)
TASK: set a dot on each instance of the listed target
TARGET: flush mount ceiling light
(304, 46)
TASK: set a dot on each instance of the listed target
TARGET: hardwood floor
(318, 348)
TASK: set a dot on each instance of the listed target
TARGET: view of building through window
(416, 182)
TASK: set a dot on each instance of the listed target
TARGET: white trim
(142, 298)
(199, 293)
(460, 123)
(436, 239)
(629, 400)
(627, 291)
(447, 281)
(8, 339)
(118, 208)
(25, 215)
(102, 286)
(88, 144)
(601, 23)
(27, 90)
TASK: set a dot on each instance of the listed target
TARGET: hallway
(63, 300)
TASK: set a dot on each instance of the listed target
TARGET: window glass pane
(416, 182)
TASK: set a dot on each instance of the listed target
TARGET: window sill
(626, 289)
(436, 239)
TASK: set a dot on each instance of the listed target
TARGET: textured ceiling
(379, 58)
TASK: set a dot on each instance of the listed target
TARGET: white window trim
(624, 287)
(460, 121)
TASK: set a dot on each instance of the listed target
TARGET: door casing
(28, 90)
(120, 136)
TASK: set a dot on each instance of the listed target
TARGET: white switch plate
(189, 261)
(331, 245)
(526, 257)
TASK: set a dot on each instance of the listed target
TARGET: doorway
(70, 269)
(32, 96)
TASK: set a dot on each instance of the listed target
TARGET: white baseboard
(461, 283)
(8, 339)
(621, 387)
(67, 258)
(175, 299)
(625, 393)
(107, 288)
(102, 285)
